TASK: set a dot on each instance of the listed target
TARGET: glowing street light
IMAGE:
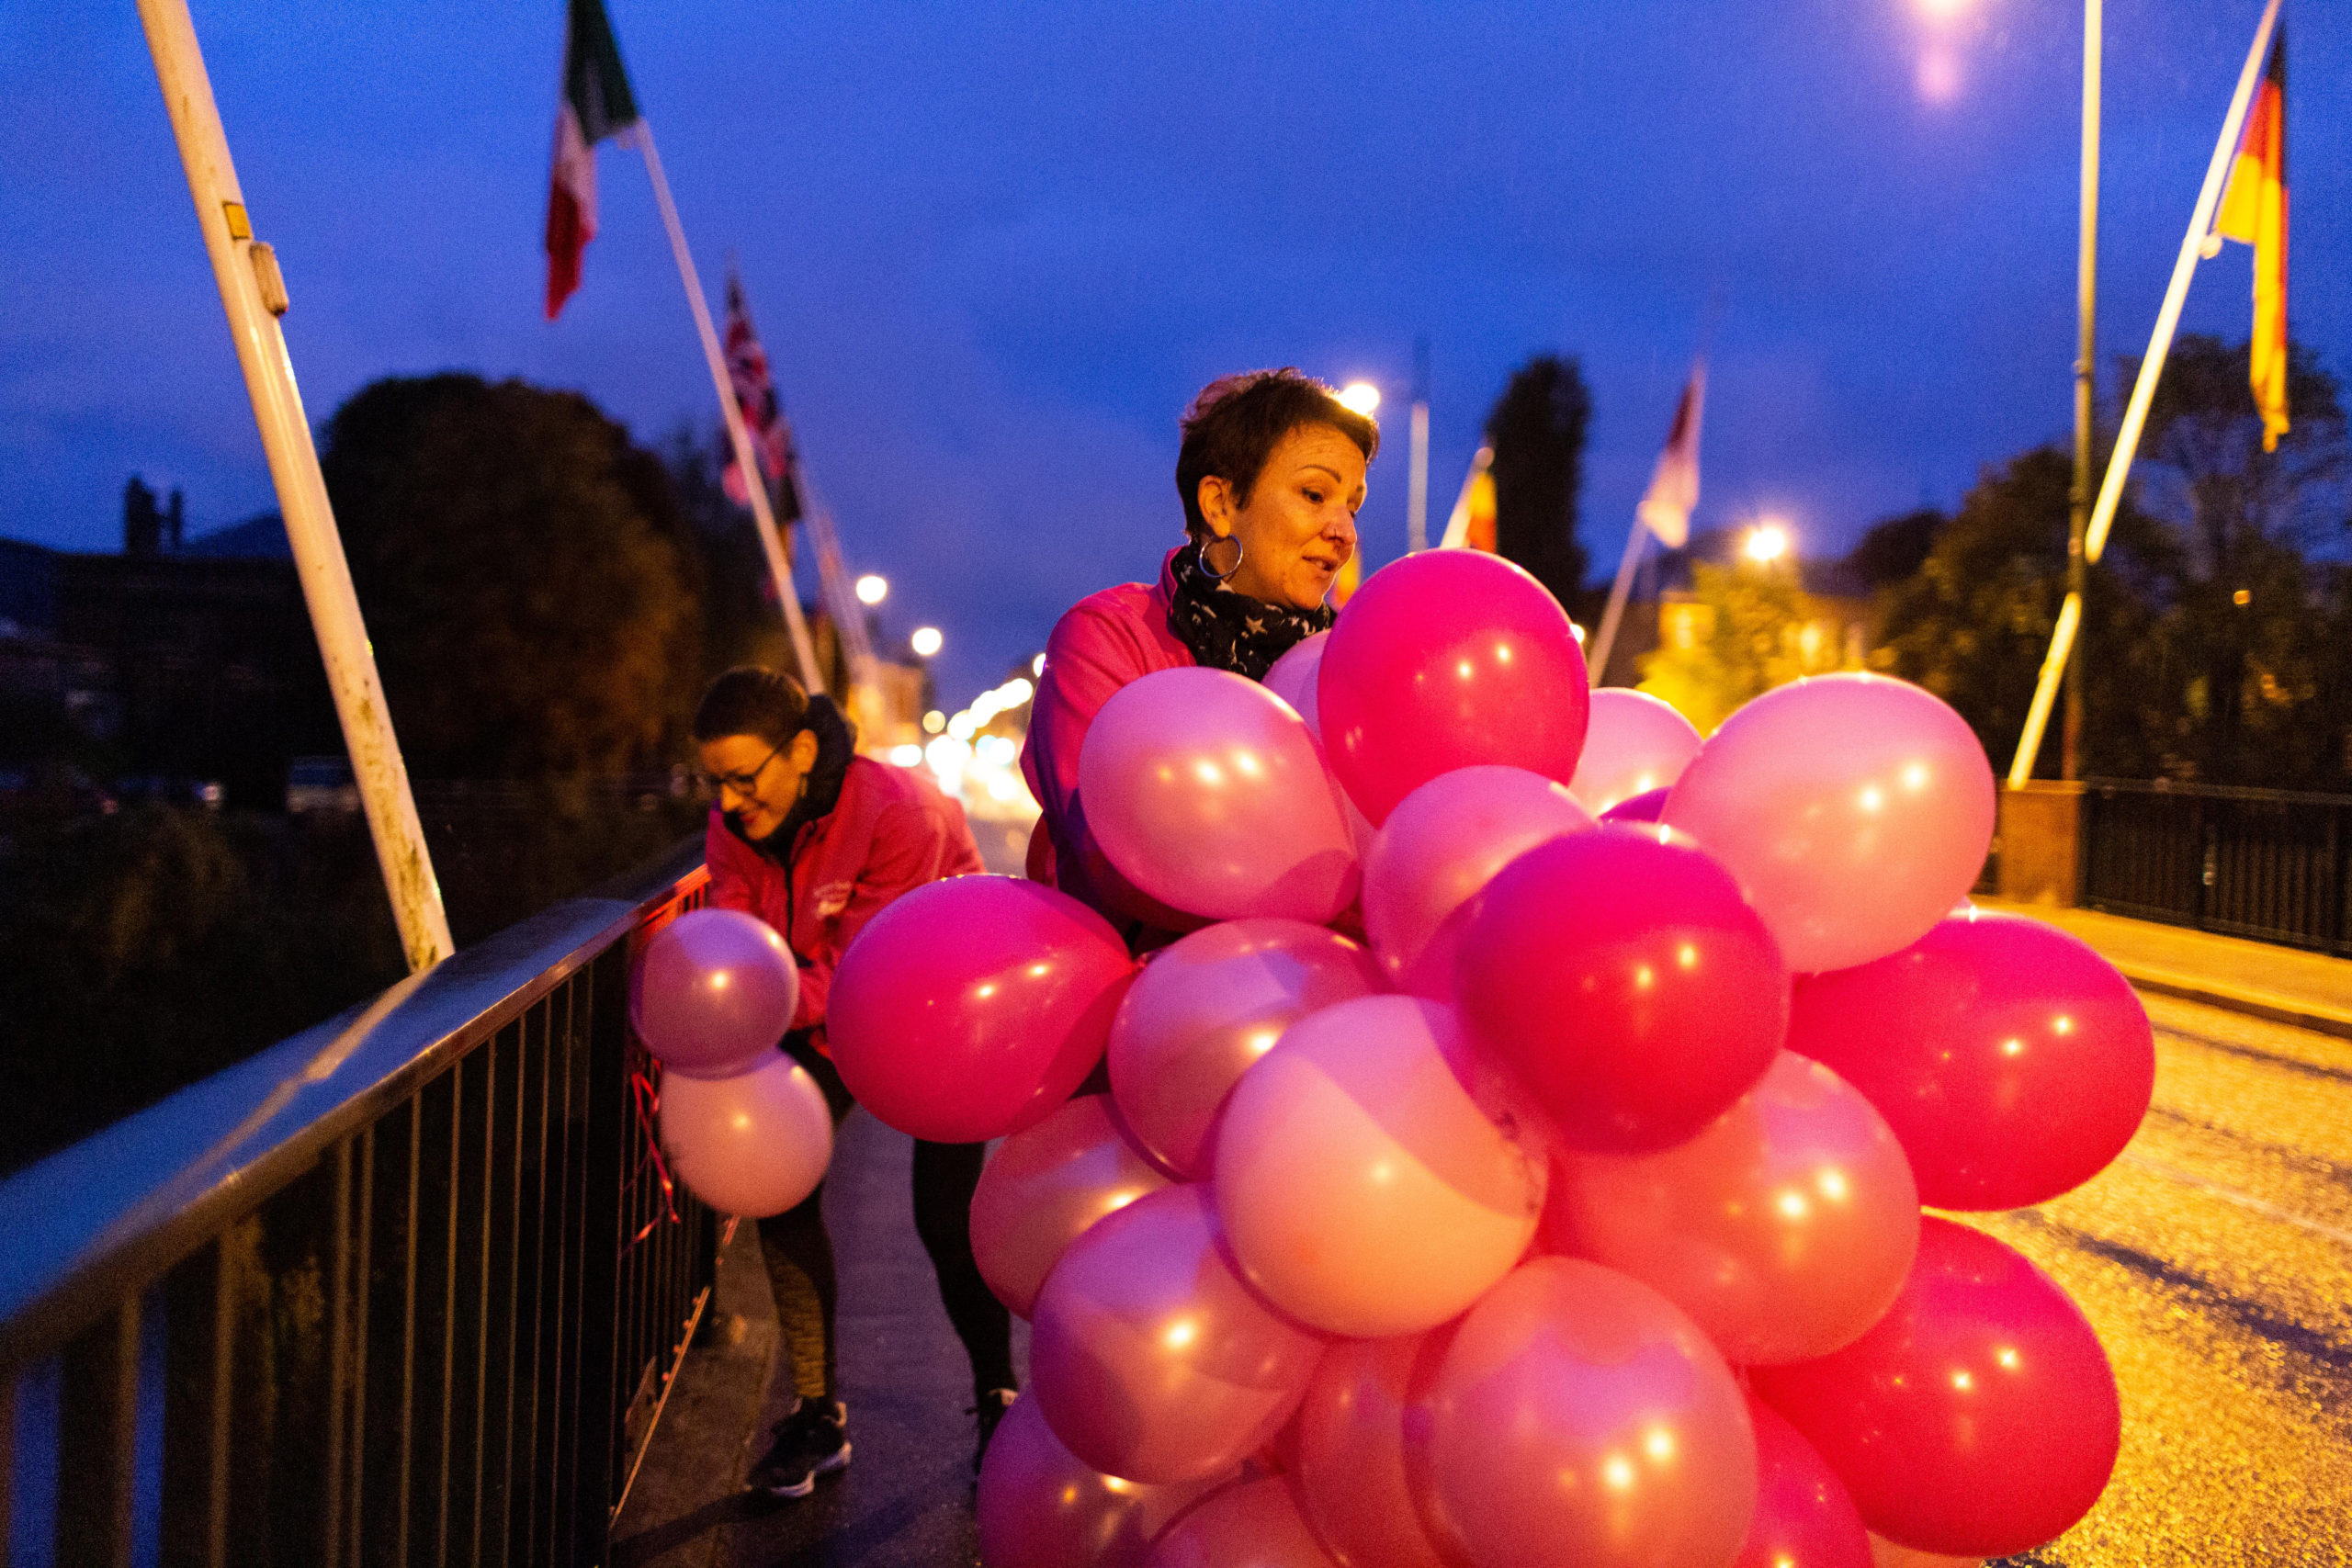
(872, 589)
(1360, 396)
(1766, 543)
(926, 641)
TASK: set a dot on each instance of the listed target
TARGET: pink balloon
(1043, 1187)
(1039, 1507)
(1360, 1188)
(1648, 806)
(1294, 678)
(971, 1008)
(715, 990)
(1634, 744)
(1150, 1356)
(1620, 975)
(1442, 843)
(1579, 1420)
(1251, 1524)
(1854, 810)
(1351, 1476)
(1785, 1228)
(1204, 1009)
(2012, 1060)
(754, 1143)
(1210, 795)
(1447, 659)
(1803, 1516)
(1979, 1417)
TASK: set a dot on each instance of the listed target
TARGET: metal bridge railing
(404, 1289)
(2269, 865)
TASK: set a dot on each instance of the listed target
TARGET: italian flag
(596, 104)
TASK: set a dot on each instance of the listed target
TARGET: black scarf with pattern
(1227, 630)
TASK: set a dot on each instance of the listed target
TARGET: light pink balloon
(1205, 1008)
(1350, 1475)
(1043, 1187)
(1039, 1507)
(754, 1143)
(714, 990)
(1852, 809)
(1251, 1524)
(1634, 744)
(1360, 1188)
(1208, 793)
(1151, 1359)
(1294, 676)
(1442, 843)
(1785, 1228)
(1579, 1419)
(1447, 659)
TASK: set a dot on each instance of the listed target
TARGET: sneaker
(990, 1409)
(811, 1442)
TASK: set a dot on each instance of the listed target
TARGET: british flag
(747, 367)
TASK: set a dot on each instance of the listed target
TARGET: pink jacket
(890, 831)
(1103, 642)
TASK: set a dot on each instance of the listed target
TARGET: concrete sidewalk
(2285, 984)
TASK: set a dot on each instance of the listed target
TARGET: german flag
(2253, 213)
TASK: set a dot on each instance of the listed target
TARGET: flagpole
(754, 484)
(1599, 662)
(253, 295)
(1417, 483)
(2144, 392)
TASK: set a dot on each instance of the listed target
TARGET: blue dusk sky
(994, 248)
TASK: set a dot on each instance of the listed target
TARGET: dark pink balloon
(1039, 1507)
(1853, 808)
(1251, 1524)
(1785, 1227)
(1447, 659)
(1204, 1009)
(971, 1008)
(2012, 1060)
(1044, 1186)
(1619, 974)
(1579, 1419)
(1210, 794)
(714, 991)
(1442, 843)
(1350, 1470)
(1803, 1516)
(1648, 806)
(1979, 1417)
(1150, 1356)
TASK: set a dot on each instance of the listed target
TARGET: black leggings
(799, 1253)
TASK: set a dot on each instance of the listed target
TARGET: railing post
(96, 1442)
(605, 1384)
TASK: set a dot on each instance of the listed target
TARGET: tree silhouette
(1537, 431)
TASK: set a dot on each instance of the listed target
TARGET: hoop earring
(1209, 568)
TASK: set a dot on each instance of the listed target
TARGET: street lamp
(1766, 543)
(926, 641)
(1360, 396)
(872, 589)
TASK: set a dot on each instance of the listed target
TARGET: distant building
(180, 662)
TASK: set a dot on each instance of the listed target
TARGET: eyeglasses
(741, 783)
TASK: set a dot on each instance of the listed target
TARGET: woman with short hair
(1272, 473)
(815, 840)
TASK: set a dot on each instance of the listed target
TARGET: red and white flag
(1666, 505)
(771, 433)
(596, 104)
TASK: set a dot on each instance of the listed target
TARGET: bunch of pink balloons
(1494, 1186)
(743, 1126)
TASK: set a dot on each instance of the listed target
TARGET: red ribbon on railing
(648, 1106)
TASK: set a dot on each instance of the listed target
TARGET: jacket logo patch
(831, 899)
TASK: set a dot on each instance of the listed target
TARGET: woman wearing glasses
(815, 840)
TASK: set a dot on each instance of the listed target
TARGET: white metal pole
(755, 484)
(2144, 392)
(1607, 640)
(253, 293)
(1417, 480)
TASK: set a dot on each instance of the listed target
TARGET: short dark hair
(1238, 420)
(752, 700)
